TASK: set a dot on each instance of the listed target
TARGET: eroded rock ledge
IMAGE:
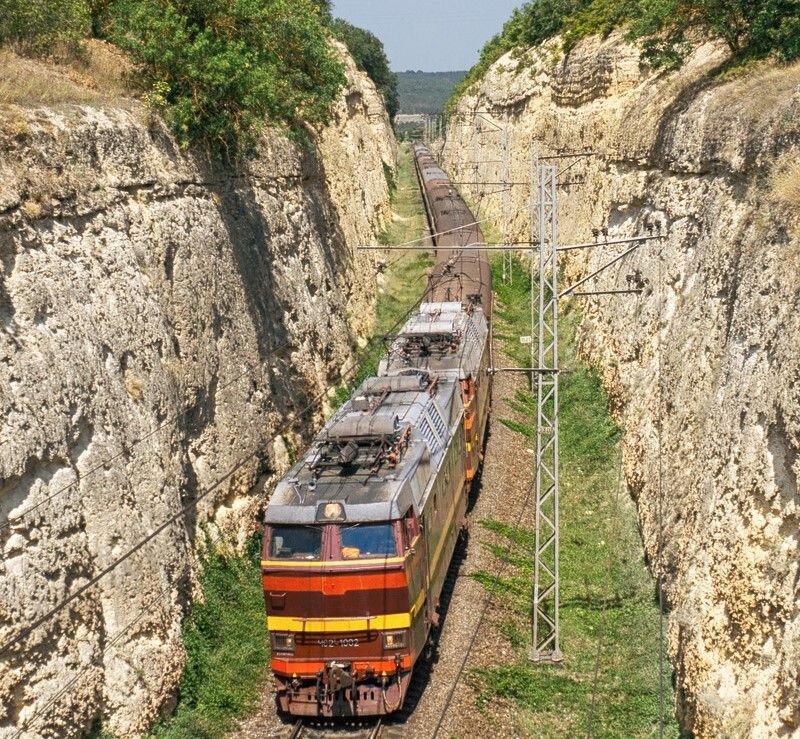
(709, 353)
(161, 319)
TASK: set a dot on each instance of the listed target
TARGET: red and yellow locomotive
(360, 533)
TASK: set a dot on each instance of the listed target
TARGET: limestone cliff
(708, 354)
(168, 328)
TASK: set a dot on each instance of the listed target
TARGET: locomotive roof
(376, 457)
(444, 338)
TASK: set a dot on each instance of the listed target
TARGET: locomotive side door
(419, 577)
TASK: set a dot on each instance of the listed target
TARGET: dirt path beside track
(448, 704)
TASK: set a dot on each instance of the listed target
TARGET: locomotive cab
(339, 616)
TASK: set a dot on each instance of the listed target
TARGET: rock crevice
(167, 326)
(702, 366)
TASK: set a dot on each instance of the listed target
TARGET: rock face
(704, 365)
(168, 329)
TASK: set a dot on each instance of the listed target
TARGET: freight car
(360, 533)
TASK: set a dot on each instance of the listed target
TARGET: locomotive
(359, 535)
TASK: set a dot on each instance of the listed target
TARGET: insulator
(348, 453)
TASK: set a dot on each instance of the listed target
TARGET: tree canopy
(221, 68)
(38, 26)
(218, 70)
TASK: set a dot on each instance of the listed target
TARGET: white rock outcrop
(168, 329)
(704, 365)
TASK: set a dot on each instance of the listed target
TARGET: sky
(431, 35)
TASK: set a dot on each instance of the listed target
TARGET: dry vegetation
(762, 88)
(786, 185)
(97, 75)
(785, 191)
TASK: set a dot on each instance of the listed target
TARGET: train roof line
(445, 338)
(376, 456)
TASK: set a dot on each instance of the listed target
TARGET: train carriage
(360, 533)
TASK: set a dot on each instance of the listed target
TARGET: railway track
(361, 730)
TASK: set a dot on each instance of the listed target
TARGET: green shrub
(528, 26)
(40, 26)
(370, 56)
(227, 647)
(598, 17)
(494, 49)
(220, 69)
(324, 9)
(750, 28)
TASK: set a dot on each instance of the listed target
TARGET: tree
(324, 9)
(221, 69)
(370, 56)
(750, 28)
(39, 26)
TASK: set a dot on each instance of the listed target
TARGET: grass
(404, 278)
(609, 616)
(786, 184)
(784, 193)
(99, 74)
(227, 647)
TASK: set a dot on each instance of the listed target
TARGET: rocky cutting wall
(161, 319)
(708, 354)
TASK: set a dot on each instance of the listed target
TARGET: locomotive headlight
(394, 640)
(282, 642)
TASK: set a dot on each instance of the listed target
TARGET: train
(360, 533)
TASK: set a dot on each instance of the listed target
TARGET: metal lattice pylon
(545, 627)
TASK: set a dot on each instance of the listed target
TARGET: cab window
(368, 540)
(295, 542)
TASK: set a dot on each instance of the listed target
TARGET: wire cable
(24, 633)
(116, 640)
(110, 460)
(660, 545)
(126, 449)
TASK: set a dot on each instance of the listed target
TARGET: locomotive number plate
(338, 642)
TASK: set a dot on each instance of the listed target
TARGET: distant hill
(426, 92)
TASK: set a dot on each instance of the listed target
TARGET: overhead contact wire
(172, 519)
(660, 556)
(24, 633)
(487, 599)
(116, 640)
